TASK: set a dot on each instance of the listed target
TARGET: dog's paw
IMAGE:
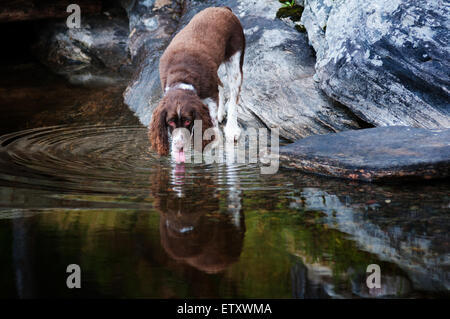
(221, 114)
(232, 132)
(221, 117)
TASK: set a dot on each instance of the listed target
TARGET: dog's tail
(228, 8)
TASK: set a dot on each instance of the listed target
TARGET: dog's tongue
(180, 157)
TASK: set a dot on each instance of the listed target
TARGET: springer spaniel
(192, 88)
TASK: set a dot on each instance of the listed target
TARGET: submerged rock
(278, 89)
(373, 154)
(387, 60)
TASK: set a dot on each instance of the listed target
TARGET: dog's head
(177, 110)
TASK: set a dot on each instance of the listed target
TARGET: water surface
(78, 185)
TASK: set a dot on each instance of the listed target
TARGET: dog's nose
(179, 138)
(179, 143)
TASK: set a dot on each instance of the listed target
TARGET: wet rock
(374, 154)
(386, 60)
(278, 88)
(152, 24)
(96, 52)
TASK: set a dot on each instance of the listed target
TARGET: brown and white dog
(192, 88)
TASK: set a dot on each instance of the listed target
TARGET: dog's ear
(158, 136)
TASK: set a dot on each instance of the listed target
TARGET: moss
(290, 10)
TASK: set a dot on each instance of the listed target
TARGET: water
(81, 187)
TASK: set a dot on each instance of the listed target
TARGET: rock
(387, 60)
(374, 154)
(152, 22)
(314, 18)
(96, 52)
(278, 88)
(151, 26)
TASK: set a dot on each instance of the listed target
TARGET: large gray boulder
(387, 60)
(278, 89)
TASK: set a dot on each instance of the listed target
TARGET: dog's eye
(172, 123)
(187, 122)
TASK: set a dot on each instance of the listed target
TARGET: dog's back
(210, 38)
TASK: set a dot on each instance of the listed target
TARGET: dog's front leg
(234, 77)
(221, 110)
(232, 130)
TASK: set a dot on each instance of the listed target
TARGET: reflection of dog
(192, 88)
(192, 229)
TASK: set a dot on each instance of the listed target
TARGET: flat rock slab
(374, 154)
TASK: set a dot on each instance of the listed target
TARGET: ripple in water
(107, 159)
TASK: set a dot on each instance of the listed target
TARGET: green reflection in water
(121, 253)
